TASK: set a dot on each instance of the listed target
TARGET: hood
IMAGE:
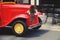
(18, 6)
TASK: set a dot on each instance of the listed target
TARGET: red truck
(19, 17)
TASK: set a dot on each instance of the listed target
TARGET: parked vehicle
(18, 17)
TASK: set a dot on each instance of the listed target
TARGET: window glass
(8, 0)
(25, 1)
(22, 1)
(0, 0)
(18, 1)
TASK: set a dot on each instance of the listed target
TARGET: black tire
(24, 26)
(40, 21)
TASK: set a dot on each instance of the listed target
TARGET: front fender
(26, 16)
(38, 13)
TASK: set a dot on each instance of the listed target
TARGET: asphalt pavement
(41, 34)
(46, 32)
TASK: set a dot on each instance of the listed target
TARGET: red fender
(25, 16)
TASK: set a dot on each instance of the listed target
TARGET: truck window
(8, 0)
(0, 0)
(22, 1)
(17, 1)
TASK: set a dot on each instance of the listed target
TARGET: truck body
(18, 16)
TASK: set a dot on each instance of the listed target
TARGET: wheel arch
(22, 19)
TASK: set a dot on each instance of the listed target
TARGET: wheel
(40, 21)
(19, 28)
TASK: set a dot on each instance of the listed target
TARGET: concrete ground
(41, 34)
(48, 25)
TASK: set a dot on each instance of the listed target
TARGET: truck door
(6, 14)
(0, 11)
(0, 7)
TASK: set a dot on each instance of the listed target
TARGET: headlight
(28, 12)
(36, 10)
(32, 10)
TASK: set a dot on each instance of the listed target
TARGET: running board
(34, 26)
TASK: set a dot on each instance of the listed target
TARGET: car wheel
(40, 21)
(19, 28)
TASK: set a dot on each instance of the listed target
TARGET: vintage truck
(19, 17)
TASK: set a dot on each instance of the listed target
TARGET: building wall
(33, 1)
(25, 1)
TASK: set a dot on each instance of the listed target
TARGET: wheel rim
(18, 28)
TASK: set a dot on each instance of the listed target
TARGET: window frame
(8, 2)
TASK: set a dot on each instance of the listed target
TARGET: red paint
(10, 12)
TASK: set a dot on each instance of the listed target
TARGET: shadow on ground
(35, 33)
(5, 31)
(29, 34)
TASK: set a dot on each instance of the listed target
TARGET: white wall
(32, 2)
(25, 1)
(37, 2)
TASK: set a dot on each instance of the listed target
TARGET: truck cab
(18, 17)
